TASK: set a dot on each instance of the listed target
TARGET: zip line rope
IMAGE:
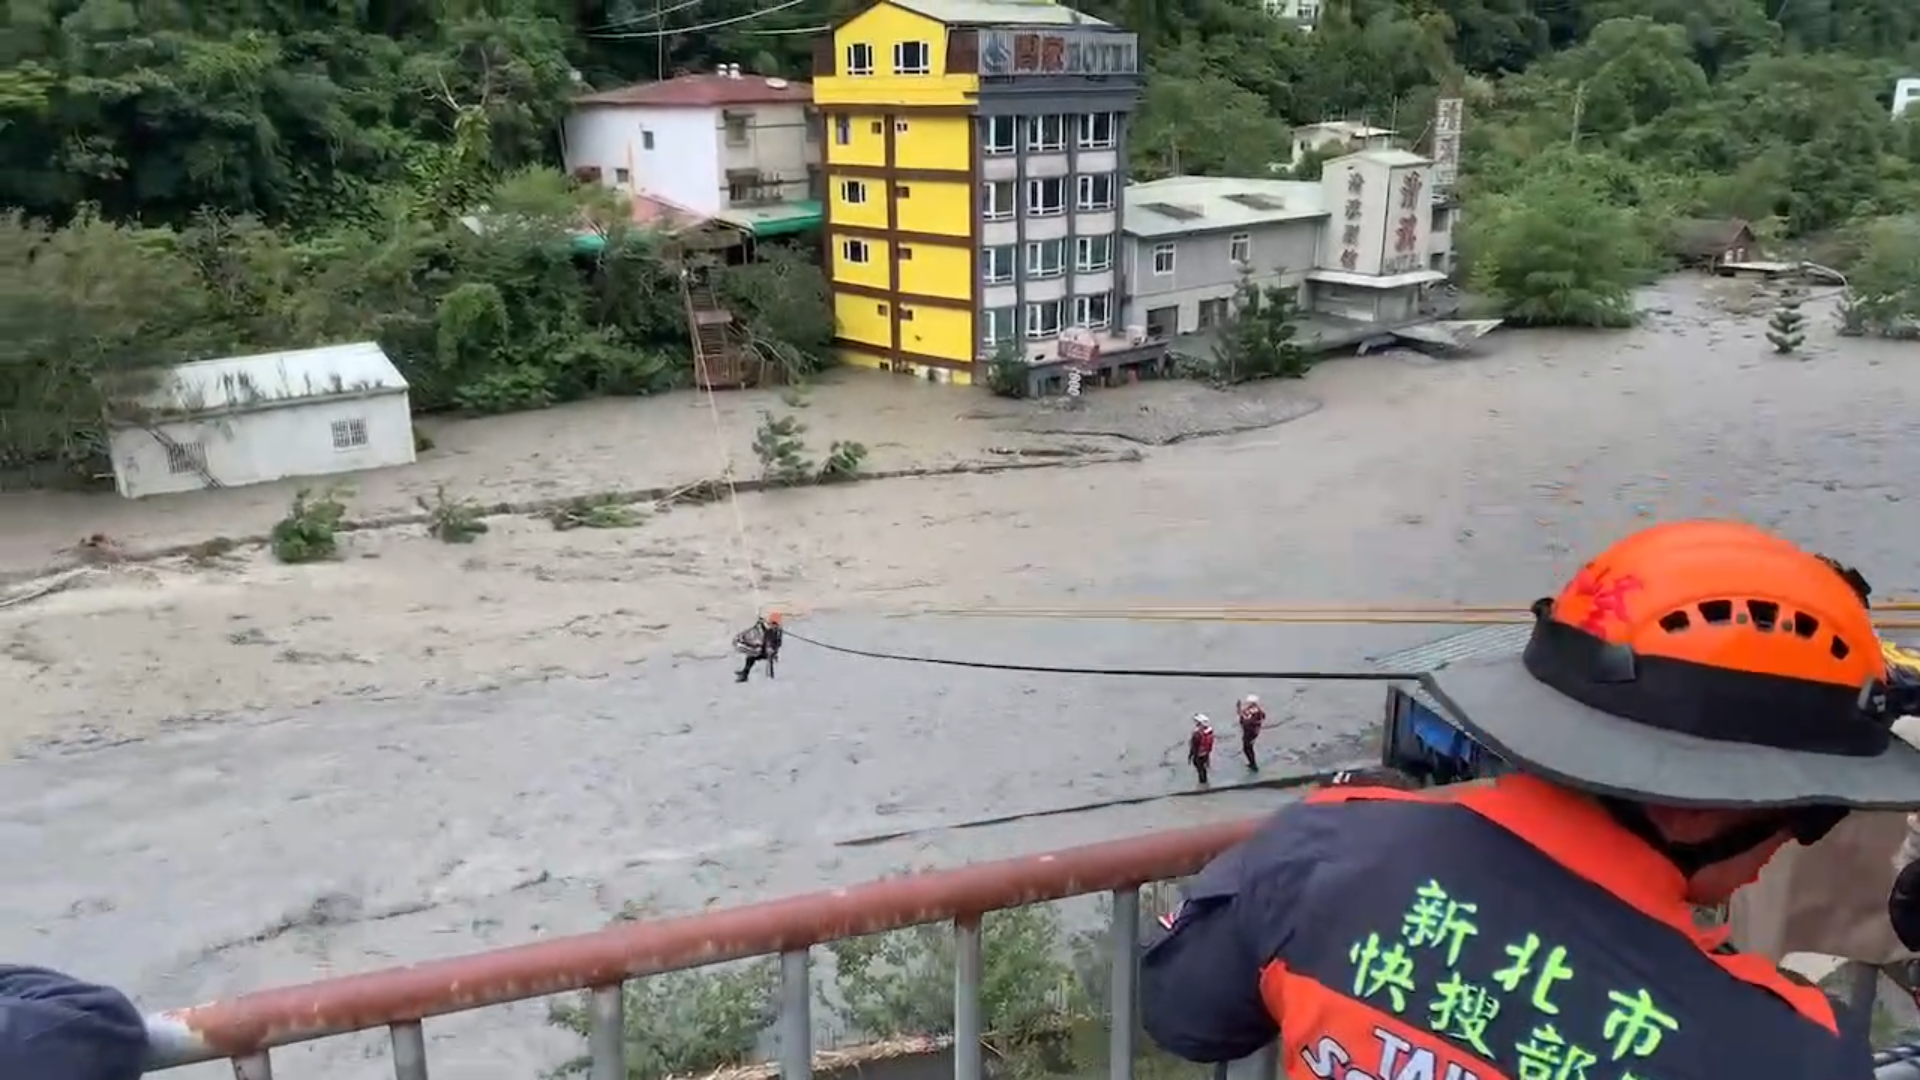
(1896, 615)
(1135, 673)
(741, 537)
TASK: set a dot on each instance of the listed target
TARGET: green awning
(779, 219)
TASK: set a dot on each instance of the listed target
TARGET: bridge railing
(247, 1029)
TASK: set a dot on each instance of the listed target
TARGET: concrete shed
(253, 419)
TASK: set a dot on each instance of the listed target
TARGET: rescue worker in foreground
(1200, 747)
(55, 1027)
(1252, 716)
(761, 641)
(1700, 695)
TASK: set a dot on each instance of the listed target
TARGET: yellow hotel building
(975, 155)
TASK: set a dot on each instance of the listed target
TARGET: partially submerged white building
(252, 419)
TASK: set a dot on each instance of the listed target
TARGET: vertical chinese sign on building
(1350, 232)
(1406, 231)
(1446, 144)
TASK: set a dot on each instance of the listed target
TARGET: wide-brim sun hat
(1696, 664)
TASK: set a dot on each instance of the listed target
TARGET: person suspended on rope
(758, 642)
(1200, 747)
(1696, 698)
(1252, 716)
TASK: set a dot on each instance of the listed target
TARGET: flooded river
(477, 747)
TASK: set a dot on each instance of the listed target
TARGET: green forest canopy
(289, 173)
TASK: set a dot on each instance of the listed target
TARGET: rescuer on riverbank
(1200, 747)
(1252, 717)
(1700, 695)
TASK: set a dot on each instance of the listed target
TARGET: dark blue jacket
(56, 1028)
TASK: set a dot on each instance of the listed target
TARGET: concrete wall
(295, 439)
(683, 164)
(1204, 270)
(782, 141)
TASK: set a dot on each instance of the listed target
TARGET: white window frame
(1083, 315)
(991, 329)
(989, 144)
(990, 208)
(853, 192)
(1159, 250)
(1035, 186)
(856, 252)
(1036, 327)
(1037, 266)
(1084, 191)
(1089, 138)
(1011, 259)
(842, 129)
(350, 433)
(900, 58)
(1083, 249)
(1307, 11)
(855, 51)
(623, 176)
(1037, 138)
(1240, 249)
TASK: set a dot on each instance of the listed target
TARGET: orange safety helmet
(773, 618)
(1697, 663)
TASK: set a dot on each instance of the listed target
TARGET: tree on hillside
(1556, 252)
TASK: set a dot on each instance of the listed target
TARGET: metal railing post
(253, 1067)
(966, 999)
(1123, 945)
(607, 1033)
(796, 1016)
(409, 1050)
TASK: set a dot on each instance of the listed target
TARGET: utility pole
(1579, 106)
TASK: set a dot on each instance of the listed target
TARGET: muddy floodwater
(239, 774)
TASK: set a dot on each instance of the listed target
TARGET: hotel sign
(1058, 52)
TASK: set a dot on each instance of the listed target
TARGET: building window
(859, 58)
(996, 200)
(1000, 135)
(1091, 253)
(743, 185)
(1277, 8)
(1215, 312)
(899, 125)
(879, 128)
(843, 129)
(737, 129)
(622, 176)
(813, 126)
(1046, 133)
(905, 254)
(1307, 11)
(902, 191)
(349, 434)
(1096, 192)
(996, 264)
(998, 325)
(853, 192)
(191, 457)
(1047, 197)
(646, 140)
(1043, 319)
(856, 252)
(1240, 248)
(1096, 131)
(1094, 312)
(1046, 258)
(1163, 259)
(912, 58)
(906, 314)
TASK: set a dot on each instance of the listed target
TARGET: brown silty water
(249, 774)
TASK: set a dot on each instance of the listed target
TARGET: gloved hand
(1903, 906)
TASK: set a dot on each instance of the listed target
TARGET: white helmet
(1250, 699)
(1200, 719)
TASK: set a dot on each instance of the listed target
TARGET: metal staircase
(719, 361)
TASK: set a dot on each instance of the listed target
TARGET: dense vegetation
(189, 179)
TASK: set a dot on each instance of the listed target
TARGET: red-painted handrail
(258, 1021)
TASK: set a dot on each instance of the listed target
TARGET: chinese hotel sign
(1406, 233)
(1350, 230)
(1058, 52)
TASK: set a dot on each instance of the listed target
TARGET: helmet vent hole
(1839, 649)
(1805, 625)
(1766, 614)
(1675, 621)
(1717, 611)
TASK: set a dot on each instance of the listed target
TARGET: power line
(626, 35)
(652, 16)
